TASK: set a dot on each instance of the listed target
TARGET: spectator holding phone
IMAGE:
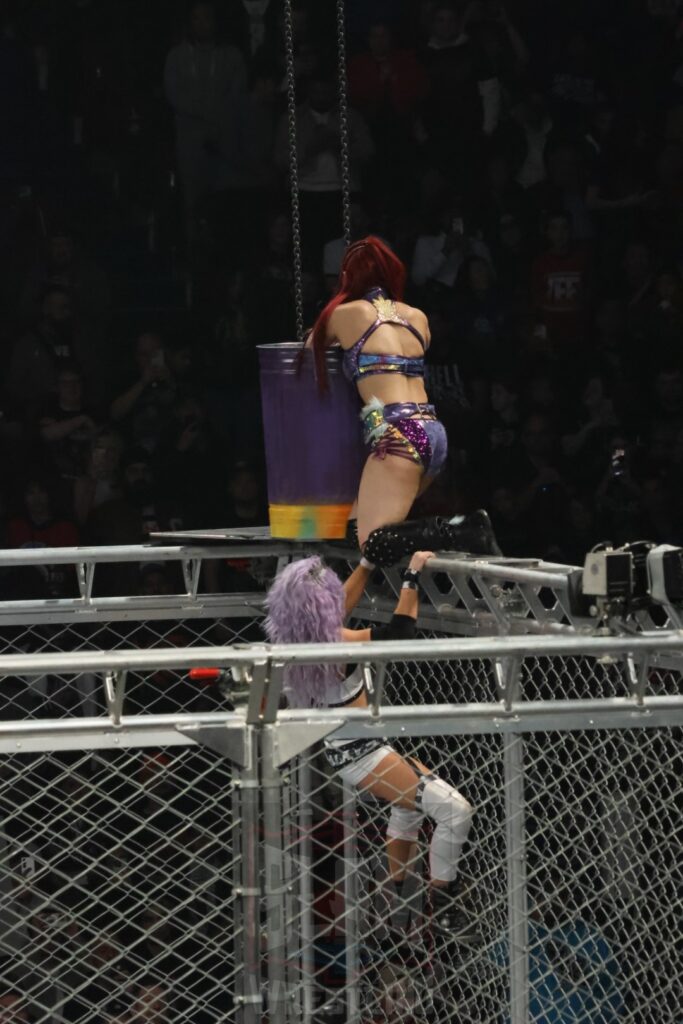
(618, 495)
(440, 252)
(101, 480)
(144, 408)
(586, 440)
(189, 459)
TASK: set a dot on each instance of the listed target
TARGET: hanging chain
(343, 123)
(294, 171)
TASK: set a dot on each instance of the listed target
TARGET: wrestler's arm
(331, 333)
(353, 590)
(402, 623)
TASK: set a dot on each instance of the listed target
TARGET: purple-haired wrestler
(308, 603)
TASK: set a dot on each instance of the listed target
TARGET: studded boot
(472, 534)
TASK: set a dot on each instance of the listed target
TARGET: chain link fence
(118, 874)
(153, 600)
(145, 884)
(172, 881)
(159, 692)
(576, 840)
(363, 953)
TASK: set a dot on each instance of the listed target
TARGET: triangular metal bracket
(231, 740)
(292, 738)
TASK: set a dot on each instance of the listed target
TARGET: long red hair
(367, 264)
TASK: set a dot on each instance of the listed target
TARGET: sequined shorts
(408, 430)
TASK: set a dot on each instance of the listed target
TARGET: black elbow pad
(401, 627)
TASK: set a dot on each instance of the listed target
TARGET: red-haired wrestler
(384, 343)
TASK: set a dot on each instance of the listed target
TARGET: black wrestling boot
(451, 926)
(352, 532)
(404, 968)
(397, 938)
(472, 534)
(402, 936)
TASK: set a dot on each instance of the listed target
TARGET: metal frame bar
(289, 884)
(239, 930)
(107, 554)
(427, 720)
(665, 642)
(509, 588)
(518, 920)
(351, 917)
(134, 608)
(246, 783)
(273, 876)
(305, 895)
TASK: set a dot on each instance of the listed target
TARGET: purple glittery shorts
(408, 430)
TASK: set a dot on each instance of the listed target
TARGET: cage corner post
(509, 673)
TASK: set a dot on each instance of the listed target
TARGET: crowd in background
(524, 160)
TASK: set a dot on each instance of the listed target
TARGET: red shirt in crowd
(398, 82)
(559, 287)
(56, 534)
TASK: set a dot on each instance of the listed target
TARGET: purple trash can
(314, 445)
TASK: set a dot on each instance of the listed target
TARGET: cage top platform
(218, 536)
(250, 534)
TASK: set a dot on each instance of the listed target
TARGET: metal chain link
(343, 123)
(294, 171)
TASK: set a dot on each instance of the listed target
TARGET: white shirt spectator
(321, 171)
(432, 263)
(533, 171)
(200, 81)
(256, 12)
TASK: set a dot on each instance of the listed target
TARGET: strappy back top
(358, 364)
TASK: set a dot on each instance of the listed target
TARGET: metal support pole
(351, 916)
(248, 944)
(271, 785)
(518, 924)
(306, 891)
(290, 884)
(239, 943)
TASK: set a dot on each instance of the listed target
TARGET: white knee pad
(404, 824)
(452, 815)
(443, 804)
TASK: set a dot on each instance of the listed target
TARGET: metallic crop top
(358, 364)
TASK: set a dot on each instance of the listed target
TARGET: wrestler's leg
(425, 482)
(388, 488)
(396, 781)
(414, 794)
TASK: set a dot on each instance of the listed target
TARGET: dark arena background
(180, 184)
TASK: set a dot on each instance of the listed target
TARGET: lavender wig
(305, 604)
